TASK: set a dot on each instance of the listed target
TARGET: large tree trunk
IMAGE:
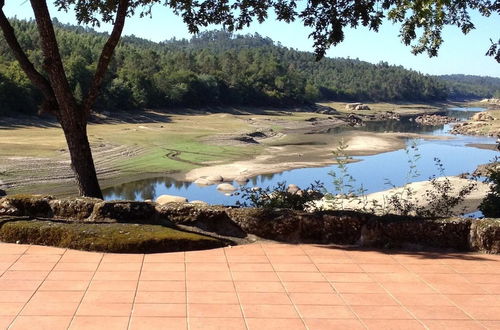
(82, 162)
(58, 96)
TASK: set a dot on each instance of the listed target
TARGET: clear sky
(458, 53)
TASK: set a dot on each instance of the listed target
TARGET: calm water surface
(370, 171)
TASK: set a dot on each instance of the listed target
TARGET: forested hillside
(214, 68)
(463, 87)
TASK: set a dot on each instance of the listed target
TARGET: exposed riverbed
(456, 153)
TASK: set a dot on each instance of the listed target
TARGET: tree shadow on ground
(420, 254)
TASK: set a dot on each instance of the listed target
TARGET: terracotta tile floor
(261, 286)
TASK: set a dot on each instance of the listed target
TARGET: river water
(371, 172)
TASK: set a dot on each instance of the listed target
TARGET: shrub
(490, 206)
(281, 196)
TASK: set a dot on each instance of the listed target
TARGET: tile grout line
(286, 291)
(38, 287)
(186, 289)
(13, 262)
(335, 289)
(235, 290)
(135, 293)
(438, 291)
(86, 290)
(397, 300)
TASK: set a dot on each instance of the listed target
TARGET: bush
(490, 206)
(281, 196)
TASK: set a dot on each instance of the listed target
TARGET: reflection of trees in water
(400, 126)
(143, 189)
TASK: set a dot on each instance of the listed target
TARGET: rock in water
(201, 203)
(165, 199)
(226, 187)
(203, 182)
(215, 178)
(241, 180)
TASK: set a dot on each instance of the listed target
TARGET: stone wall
(335, 227)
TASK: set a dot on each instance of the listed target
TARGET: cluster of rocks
(475, 128)
(482, 116)
(434, 120)
(479, 124)
(222, 183)
(356, 106)
(335, 227)
(492, 101)
(324, 110)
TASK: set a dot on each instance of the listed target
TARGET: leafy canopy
(421, 21)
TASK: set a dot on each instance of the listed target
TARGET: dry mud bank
(34, 156)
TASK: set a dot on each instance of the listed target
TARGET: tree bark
(72, 118)
(106, 55)
(82, 162)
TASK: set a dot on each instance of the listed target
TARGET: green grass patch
(117, 238)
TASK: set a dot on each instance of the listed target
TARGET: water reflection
(143, 189)
(371, 171)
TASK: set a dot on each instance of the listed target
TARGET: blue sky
(458, 53)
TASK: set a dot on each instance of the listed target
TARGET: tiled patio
(261, 286)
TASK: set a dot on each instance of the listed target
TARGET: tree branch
(49, 103)
(53, 65)
(106, 55)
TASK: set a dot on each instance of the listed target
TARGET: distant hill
(465, 87)
(214, 68)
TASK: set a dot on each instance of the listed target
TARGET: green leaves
(421, 21)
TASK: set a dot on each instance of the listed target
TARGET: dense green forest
(464, 86)
(213, 68)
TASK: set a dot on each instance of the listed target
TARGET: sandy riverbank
(417, 196)
(276, 159)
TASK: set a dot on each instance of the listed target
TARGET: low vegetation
(491, 204)
(281, 196)
(122, 238)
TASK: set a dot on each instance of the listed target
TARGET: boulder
(203, 182)
(276, 224)
(241, 180)
(79, 208)
(362, 107)
(482, 116)
(199, 203)
(226, 187)
(215, 178)
(26, 205)
(208, 218)
(352, 106)
(165, 199)
(485, 235)
(124, 212)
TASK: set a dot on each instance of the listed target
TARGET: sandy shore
(276, 159)
(419, 189)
